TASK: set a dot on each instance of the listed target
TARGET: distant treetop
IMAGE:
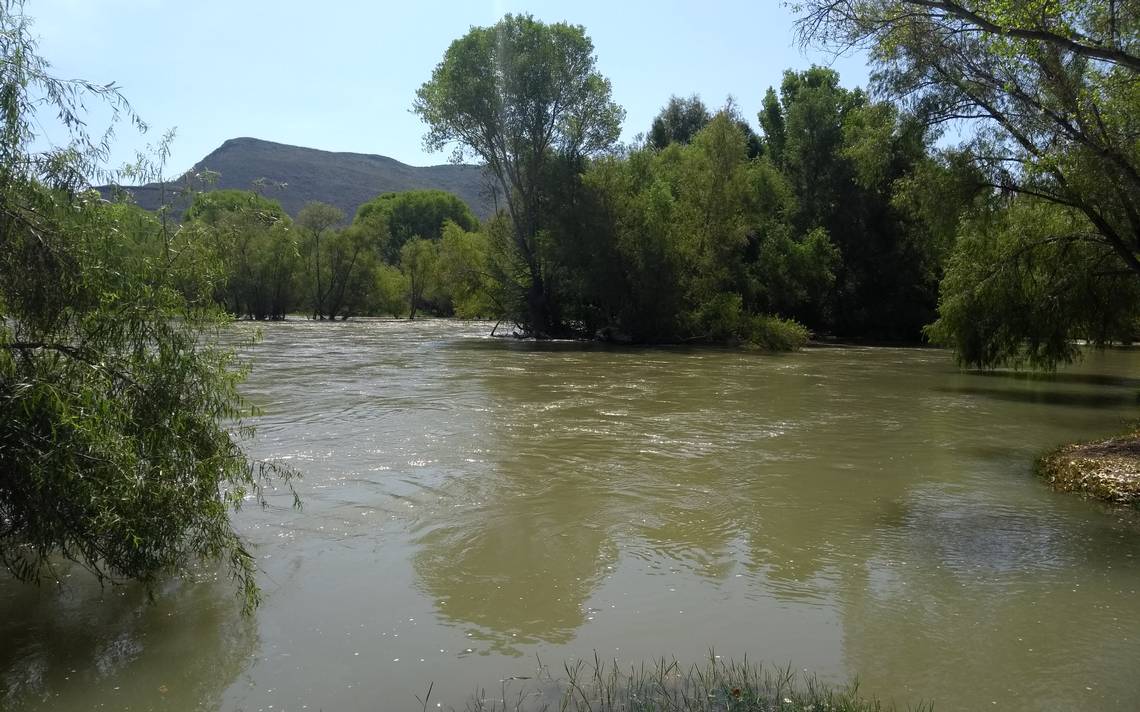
(210, 206)
(415, 213)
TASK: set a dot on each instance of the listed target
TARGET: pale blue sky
(341, 75)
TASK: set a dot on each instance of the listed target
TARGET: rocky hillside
(295, 175)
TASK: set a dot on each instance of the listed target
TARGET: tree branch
(1112, 54)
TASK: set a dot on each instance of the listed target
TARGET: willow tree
(520, 95)
(1051, 91)
(119, 415)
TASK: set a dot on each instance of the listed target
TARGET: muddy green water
(472, 503)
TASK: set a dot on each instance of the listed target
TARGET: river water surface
(474, 504)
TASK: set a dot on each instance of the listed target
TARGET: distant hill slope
(345, 180)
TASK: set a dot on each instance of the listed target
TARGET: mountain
(294, 176)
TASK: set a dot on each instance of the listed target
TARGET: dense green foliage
(119, 415)
(418, 262)
(1051, 93)
(1024, 280)
(265, 265)
(523, 96)
(708, 232)
(669, 245)
(679, 121)
(249, 242)
(214, 206)
(399, 217)
(848, 161)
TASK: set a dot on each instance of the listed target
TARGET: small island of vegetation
(1107, 469)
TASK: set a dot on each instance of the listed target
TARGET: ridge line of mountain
(295, 175)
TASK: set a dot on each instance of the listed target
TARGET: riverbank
(1105, 469)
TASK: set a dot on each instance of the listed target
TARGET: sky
(341, 76)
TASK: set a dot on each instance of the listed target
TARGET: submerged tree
(418, 260)
(252, 245)
(331, 257)
(119, 416)
(687, 244)
(518, 95)
(465, 273)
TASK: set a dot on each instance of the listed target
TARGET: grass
(667, 686)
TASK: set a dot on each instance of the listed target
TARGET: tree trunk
(538, 308)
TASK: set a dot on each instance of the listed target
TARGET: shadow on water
(559, 346)
(1048, 397)
(571, 346)
(1086, 379)
(67, 646)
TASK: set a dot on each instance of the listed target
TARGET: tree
(517, 95)
(395, 218)
(212, 206)
(116, 404)
(627, 266)
(390, 293)
(675, 244)
(1015, 293)
(251, 242)
(846, 159)
(681, 119)
(1050, 89)
(317, 222)
(418, 260)
(772, 124)
(678, 121)
(465, 275)
(351, 272)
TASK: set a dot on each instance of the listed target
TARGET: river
(472, 505)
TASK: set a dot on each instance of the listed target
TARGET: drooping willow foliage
(1048, 92)
(120, 420)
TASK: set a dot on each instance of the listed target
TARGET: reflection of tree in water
(72, 648)
(589, 450)
(837, 484)
(518, 566)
